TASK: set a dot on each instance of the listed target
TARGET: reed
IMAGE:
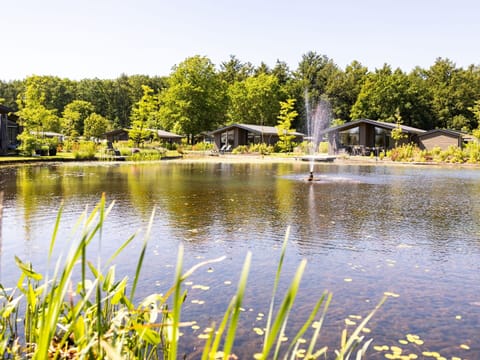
(98, 317)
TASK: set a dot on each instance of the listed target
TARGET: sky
(106, 38)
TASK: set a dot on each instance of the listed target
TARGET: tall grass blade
(275, 286)
(142, 256)
(55, 232)
(177, 302)
(284, 310)
(316, 333)
(348, 344)
(236, 307)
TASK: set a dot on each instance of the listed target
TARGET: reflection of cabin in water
(243, 134)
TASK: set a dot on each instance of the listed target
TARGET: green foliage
(95, 126)
(285, 118)
(203, 146)
(323, 147)
(33, 114)
(241, 149)
(397, 134)
(147, 155)
(261, 148)
(404, 152)
(84, 150)
(453, 154)
(255, 100)
(28, 143)
(145, 116)
(74, 116)
(195, 99)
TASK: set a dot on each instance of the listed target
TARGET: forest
(199, 96)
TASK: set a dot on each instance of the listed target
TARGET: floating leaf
(258, 331)
(465, 347)
(201, 287)
(349, 322)
(347, 280)
(391, 294)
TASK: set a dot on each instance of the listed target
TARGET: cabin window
(382, 138)
(350, 137)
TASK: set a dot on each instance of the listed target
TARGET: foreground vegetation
(48, 316)
(470, 154)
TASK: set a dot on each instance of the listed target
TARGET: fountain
(318, 119)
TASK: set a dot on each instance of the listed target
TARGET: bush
(28, 143)
(323, 147)
(472, 152)
(85, 150)
(241, 149)
(405, 152)
(203, 146)
(263, 149)
(147, 155)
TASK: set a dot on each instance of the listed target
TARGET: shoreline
(242, 159)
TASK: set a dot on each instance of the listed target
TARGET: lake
(413, 231)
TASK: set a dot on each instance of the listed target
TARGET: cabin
(9, 129)
(122, 135)
(364, 136)
(443, 139)
(243, 134)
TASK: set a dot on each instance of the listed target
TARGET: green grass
(97, 318)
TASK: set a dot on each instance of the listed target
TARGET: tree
(453, 91)
(74, 116)
(343, 89)
(397, 133)
(144, 116)
(195, 99)
(387, 92)
(34, 116)
(285, 119)
(314, 71)
(234, 70)
(255, 100)
(95, 126)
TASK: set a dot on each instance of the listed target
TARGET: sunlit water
(365, 230)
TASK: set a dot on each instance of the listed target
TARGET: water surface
(364, 230)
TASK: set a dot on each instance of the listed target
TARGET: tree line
(197, 96)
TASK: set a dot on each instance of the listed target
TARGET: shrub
(261, 148)
(405, 152)
(28, 143)
(472, 152)
(147, 155)
(203, 146)
(241, 149)
(323, 147)
(85, 150)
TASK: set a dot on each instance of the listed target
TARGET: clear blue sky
(105, 38)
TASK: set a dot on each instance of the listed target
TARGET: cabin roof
(380, 124)
(256, 129)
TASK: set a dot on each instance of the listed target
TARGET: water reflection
(413, 231)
